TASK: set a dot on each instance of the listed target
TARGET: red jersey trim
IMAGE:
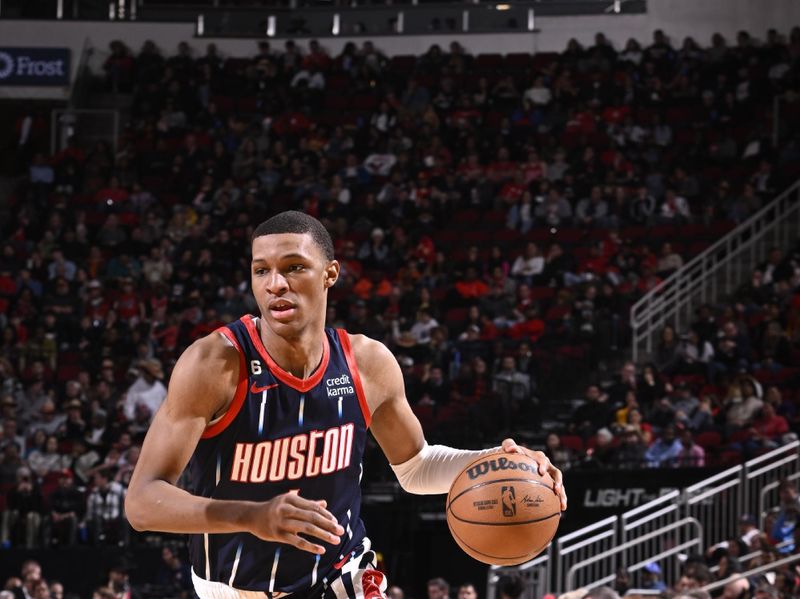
(239, 396)
(302, 385)
(344, 338)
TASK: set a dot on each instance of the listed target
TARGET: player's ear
(331, 273)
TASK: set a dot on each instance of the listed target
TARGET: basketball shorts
(358, 578)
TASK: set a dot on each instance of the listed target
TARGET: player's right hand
(286, 517)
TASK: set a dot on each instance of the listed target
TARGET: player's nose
(276, 283)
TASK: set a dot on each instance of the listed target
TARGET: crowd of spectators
(495, 218)
(171, 577)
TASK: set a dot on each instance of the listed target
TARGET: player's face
(290, 278)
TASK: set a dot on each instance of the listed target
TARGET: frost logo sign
(6, 65)
(34, 66)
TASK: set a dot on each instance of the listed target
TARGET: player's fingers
(311, 506)
(510, 446)
(303, 544)
(329, 524)
(542, 462)
(312, 530)
(323, 519)
(563, 495)
(555, 474)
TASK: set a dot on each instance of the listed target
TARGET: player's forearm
(434, 469)
(162, 507)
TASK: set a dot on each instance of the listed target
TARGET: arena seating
(522, 202)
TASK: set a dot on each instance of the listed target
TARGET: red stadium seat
(708, 440)
(573, 442)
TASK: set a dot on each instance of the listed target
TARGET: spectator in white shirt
(147, 389)
(421, 329)
(538, 94)
(528, 265)
(105, 516)
(675, 208)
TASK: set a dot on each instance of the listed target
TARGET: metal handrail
(698, 277)
(759, 570)
(697, 539)
(597, 541)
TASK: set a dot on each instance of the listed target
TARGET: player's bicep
(192, 400)
(394, 425)
(169, 444)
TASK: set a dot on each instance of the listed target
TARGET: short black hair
(510, 586)
(292, 221)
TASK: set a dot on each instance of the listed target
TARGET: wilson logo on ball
(497, 465)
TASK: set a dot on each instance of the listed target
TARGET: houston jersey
(283, 433)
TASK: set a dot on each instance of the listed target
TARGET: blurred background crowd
(495, 218)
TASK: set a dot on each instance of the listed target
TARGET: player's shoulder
(372, 356)
(210, 351)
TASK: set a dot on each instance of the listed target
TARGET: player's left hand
(545, 466)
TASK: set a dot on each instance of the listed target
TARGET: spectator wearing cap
(66, 505)
(48, 419)
(651, 578)
(786, 520)
(412, 381)
(146, 389)
(664, 450)
(75, 426)
(82, 460)
(375, 252)
(20, 522)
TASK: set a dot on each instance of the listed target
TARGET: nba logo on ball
(509, 498)
(501, 511)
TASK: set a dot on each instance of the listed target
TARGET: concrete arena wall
(678, 18)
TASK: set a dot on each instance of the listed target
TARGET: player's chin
(284, 317)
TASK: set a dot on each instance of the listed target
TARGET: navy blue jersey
(283, 433)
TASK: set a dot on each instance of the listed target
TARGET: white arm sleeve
(435, 467)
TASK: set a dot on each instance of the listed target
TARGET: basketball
(501, 511)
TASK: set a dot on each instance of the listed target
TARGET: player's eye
(259, 271)
(296, 267)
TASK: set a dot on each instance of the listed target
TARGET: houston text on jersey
(301, 456)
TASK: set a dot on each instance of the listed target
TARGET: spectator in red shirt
(129, 306)
(471, 286)
(503, 168)
(767, 429)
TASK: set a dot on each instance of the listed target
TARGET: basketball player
(271, 414)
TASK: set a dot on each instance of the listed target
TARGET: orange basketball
(501, 512)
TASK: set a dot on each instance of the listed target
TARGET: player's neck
(300, 355)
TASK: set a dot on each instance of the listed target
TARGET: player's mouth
(282, 310)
